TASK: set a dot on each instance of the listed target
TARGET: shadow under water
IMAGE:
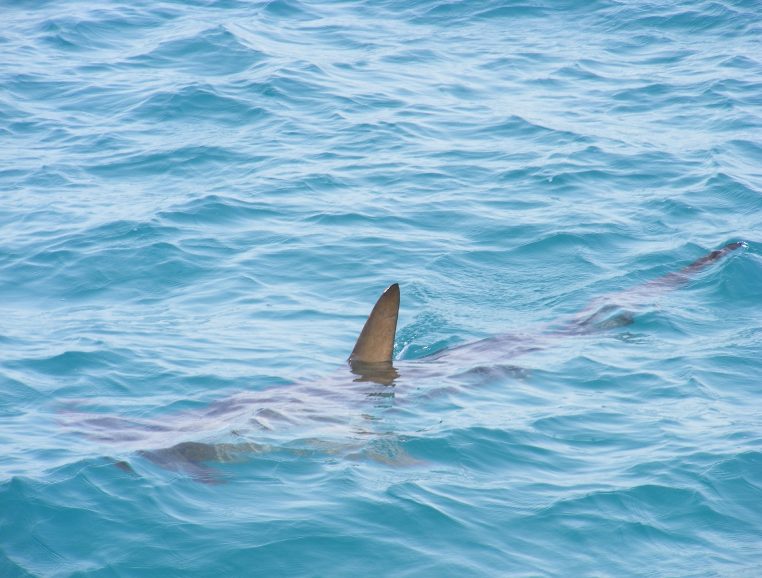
(346, 413)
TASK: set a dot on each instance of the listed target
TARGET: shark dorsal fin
(376, 340)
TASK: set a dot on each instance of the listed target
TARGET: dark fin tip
(736, 245)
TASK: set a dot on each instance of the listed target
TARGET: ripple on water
(201, 201)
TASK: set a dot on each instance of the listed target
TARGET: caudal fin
(376, 340)
(617, 310)
(679, 277)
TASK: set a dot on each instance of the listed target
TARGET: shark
(372, 353)
(330, 416)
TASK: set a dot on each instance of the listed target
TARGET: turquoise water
(201, 202)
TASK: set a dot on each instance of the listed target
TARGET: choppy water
(202, 200)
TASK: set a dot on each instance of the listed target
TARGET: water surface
(202, 200)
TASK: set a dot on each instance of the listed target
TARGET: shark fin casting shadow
(371, 358)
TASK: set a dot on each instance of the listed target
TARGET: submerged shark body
(373, 349)
(340, 407)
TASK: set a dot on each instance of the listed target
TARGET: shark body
(327, 412)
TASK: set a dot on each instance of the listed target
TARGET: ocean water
(200, 202)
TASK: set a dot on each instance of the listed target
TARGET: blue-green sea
(201, 201)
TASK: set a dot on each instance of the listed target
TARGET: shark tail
(617, 310)
(684, 275)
